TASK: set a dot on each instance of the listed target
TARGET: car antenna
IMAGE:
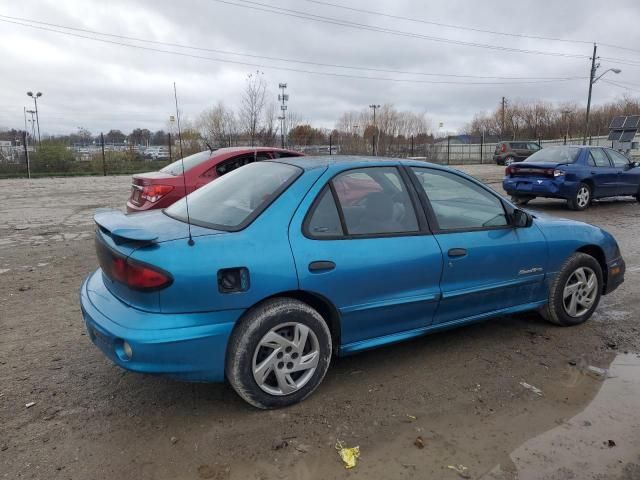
(184, 178)
(209, 146)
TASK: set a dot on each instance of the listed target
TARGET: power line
(616, 84)
(468, 28)
(279, 59)
(362, 26)
(447, 25)
(297, 70)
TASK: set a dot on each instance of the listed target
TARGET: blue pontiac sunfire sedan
(578, 174)
(295, 260)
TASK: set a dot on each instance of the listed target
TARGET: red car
(160, 189)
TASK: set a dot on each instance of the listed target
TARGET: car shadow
(345, 380)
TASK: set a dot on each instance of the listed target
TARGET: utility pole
(504, 104)
(592, 77)
(375, 107)
(283, 97)
(33, 123)
(104, 164)
(26, 153)
(35, 101)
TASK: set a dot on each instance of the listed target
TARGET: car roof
(350, 161)
(226, 150)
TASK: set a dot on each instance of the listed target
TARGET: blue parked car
(269, 271)
(575, 173)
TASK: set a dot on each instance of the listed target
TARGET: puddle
(602, 441)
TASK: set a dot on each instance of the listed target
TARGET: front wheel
(278, 353)
(575, 292)
(582, 198)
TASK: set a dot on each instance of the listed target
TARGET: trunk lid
(533, 169)
(141, 180)
(118, 236)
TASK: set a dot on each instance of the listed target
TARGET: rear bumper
(540, 187)
(615, 275)
(188, 347)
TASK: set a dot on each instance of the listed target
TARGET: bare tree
(218, 125)
(253, 103)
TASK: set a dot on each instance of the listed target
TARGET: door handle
(457, 252)
(321, 266)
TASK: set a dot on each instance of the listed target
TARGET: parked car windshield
(191, 161)
(234, 200)
(555, 155)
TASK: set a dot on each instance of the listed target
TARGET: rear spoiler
(122, 227)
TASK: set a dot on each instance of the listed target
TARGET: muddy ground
(460, 391)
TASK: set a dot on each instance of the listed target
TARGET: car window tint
(619, 160)
(188, 163)
(533, 146)
(459, 203)
(284, 154)
(599, 157)
(375, 201)
(325, 220)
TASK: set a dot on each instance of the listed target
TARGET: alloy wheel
(580, 292)
(286, 358)
(583, 196)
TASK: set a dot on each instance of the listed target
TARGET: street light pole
(35, 101)
(375, 107)
(592, 80)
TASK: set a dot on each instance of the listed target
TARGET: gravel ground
(459, 391)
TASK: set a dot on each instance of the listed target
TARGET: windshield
(231, 202)
(191, 161)
(555, 155)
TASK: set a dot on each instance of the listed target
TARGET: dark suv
(508, 152)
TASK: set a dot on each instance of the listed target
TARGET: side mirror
(633, 165)
(521, 219)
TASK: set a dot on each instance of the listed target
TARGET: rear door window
(598, 158)
(375, 201)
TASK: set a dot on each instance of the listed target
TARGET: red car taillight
(136, 275)
(508, 171)
(503, 148)
(153, 193)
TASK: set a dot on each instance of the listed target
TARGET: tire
(558, 309)
(284, 320)
(509, 161)
(521, 200)
(582, 198)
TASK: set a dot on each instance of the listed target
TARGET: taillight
(136, 275)
(508, 171)
(558, 173)
(153, 193)
(503, 148)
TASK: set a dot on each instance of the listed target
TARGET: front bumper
(540, 187)
(190, 346)
(615, 275)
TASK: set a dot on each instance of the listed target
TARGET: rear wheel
(581, 199)
(521, 200)
(278, 354)
(575, 292)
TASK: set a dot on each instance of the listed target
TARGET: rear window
(191, 161)
(555, 155)
(236, 199)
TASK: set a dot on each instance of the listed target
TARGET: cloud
(102, 86)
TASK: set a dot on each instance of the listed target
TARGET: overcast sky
(101, 86)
